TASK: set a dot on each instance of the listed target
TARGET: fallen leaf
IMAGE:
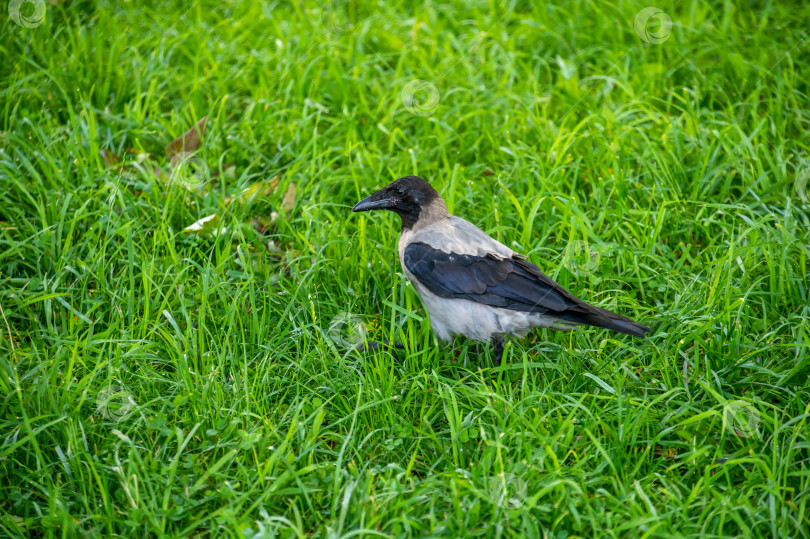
(253, 191)
(188, 143)
(288, 203)
(110, 159)
(208, 223)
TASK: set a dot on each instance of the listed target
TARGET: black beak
(377, 201)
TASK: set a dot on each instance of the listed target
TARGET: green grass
(664, 181)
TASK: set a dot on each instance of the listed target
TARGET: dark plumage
(512, 284)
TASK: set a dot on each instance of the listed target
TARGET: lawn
(180, 312)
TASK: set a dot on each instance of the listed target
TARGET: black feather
(514, 284)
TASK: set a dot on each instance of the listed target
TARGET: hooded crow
(473, 285)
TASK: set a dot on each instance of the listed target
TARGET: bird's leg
(497, 350)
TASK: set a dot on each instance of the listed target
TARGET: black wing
(511, 283)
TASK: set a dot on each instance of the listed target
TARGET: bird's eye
(400, 191)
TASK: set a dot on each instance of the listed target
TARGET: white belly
(449, 316)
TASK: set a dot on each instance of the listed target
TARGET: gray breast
(455, 235)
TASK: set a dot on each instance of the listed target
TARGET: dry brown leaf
(288, 203)
(188, 143)
(110, 159)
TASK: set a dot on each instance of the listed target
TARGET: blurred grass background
(172, 381)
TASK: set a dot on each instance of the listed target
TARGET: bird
(473, 285)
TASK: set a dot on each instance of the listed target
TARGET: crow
(473, 285)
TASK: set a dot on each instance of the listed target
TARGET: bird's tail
(626, 326)
(578, 312)
(591, 315)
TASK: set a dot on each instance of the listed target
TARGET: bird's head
(411, 197)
